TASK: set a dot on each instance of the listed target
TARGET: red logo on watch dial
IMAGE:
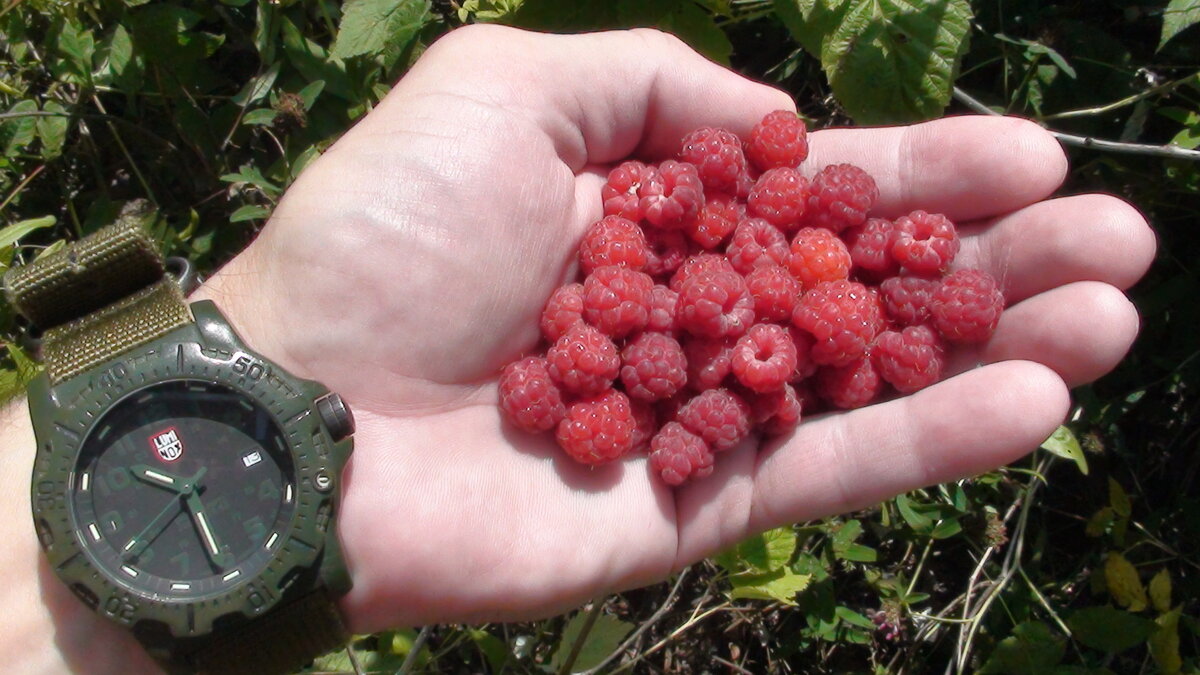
(166, 445)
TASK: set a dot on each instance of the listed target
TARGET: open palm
(410, 263)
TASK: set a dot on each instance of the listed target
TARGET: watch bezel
(64, 416)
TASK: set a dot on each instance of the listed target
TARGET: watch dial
(183, 488)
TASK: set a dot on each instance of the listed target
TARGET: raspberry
(715, 304)
(584, 361)
(663, 301)
(924, 243)
(677, 454)
(906, 299)
(654, 367)
(617, 300)
(818, 255)
(714, 222)
(612, 240)
(756, 242)
(780, 139)
(779, 196)
(672, 195)
(599, 429)
(709, 362)
(843, 316)
(645, 421)
(966, 306)
(871, 248)
(805, 366)
(911, 359)
(718, 416)
(563, 309)
(840, 195)
(529, 397)
(853, 385)
(620, 193)
(698, 264)
(717, 156)
(665, 251)
(775, 412)
(775, 292)
(764, 358)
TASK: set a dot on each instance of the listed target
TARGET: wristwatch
(184, 486)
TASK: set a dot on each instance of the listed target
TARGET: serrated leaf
(1123, 582)
(781, 584)
(1177, 17)
(488, 10)
(1064, 444)
(13, 382)
(12, 233)
(809, 21)
(605, 636)
(1164, 643)
(1031, 650)
(1109, 629)
(1160, 591)
(52, 129)
(1118, 499)
(370, 26)
(892, 61)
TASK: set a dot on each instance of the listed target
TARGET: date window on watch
(166, 445)
(251, 458)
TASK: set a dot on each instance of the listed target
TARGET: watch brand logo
(167, 445)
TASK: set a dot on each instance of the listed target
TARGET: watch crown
(338, 419)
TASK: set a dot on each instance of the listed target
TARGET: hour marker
(180, 587)
(251, 458)
(232, 575)
(85, 481)
(287, 494)
(129, 570)
(272, 539)
(131, 544)
(95, 531)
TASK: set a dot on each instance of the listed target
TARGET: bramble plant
(195, 117)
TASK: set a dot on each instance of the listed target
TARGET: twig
(417, 645)
(1116, 105)
(674, 634)
(17, 190)
(731, 665)
(637, 634)
(1171, 151)
(125, 151)
(577, 646)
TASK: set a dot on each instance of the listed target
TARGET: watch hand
(200, 519)
(142, 539)
(157, 477)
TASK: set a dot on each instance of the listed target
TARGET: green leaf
(493, 648)
(1160, 591)
(118, 65)
(370, 26)
(12, 233)
(310, 93)
(916, 521)
(1177, 17)
(946, 528)
(77, 46)
(1118, 499)
(310, 59)
(1164, 643)
(781, 584)
(487, 10)
(260, 117)
(52, 129)
(854, 618)
(1124, 584)
(1099, 522)
(809, 21)
(683, 18)
(18, 132)
(1031, 650)
(605, 636)
(13, 382)
(250, 212)
(1064, 444)
(768, 551)
(257, 88)
(860, 553)
(894, 61)
(845, 534)
(1109, 629)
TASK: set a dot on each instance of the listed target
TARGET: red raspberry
(715, 221)
(843, 316)
(612, 240)
(966, 306)
(775, 412)
(906, 299)
(617, 300)
(840, 195)
(818, 255)
(698, 264)
(620, 193)
(764, 358)
(584, 360)
(775, 292)
(851, 386)
(529, 397)
(780, 139)
(709, 362)
(677, 454)
(717, 156)
(599, 429)
(911, 359)
(563, 309)
(645, 420)
(663, 301)
(779, 196)
(715, 304)
(871, 248)
(805, 366)
(924, 243)
(665, 251)
(719, 416)
(672, 195)
(756, 242)
(654, 367)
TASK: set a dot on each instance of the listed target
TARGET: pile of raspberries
(724, 292)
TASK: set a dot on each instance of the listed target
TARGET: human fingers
(966, 167)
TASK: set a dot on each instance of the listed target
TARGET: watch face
(183, 488)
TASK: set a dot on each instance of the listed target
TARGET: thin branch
(1170, 151)
(17, 190)
(1116, 105)
(417, 645)
(637, 634)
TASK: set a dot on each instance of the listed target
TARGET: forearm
(44, 628)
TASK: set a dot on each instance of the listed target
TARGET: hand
(411, 262)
